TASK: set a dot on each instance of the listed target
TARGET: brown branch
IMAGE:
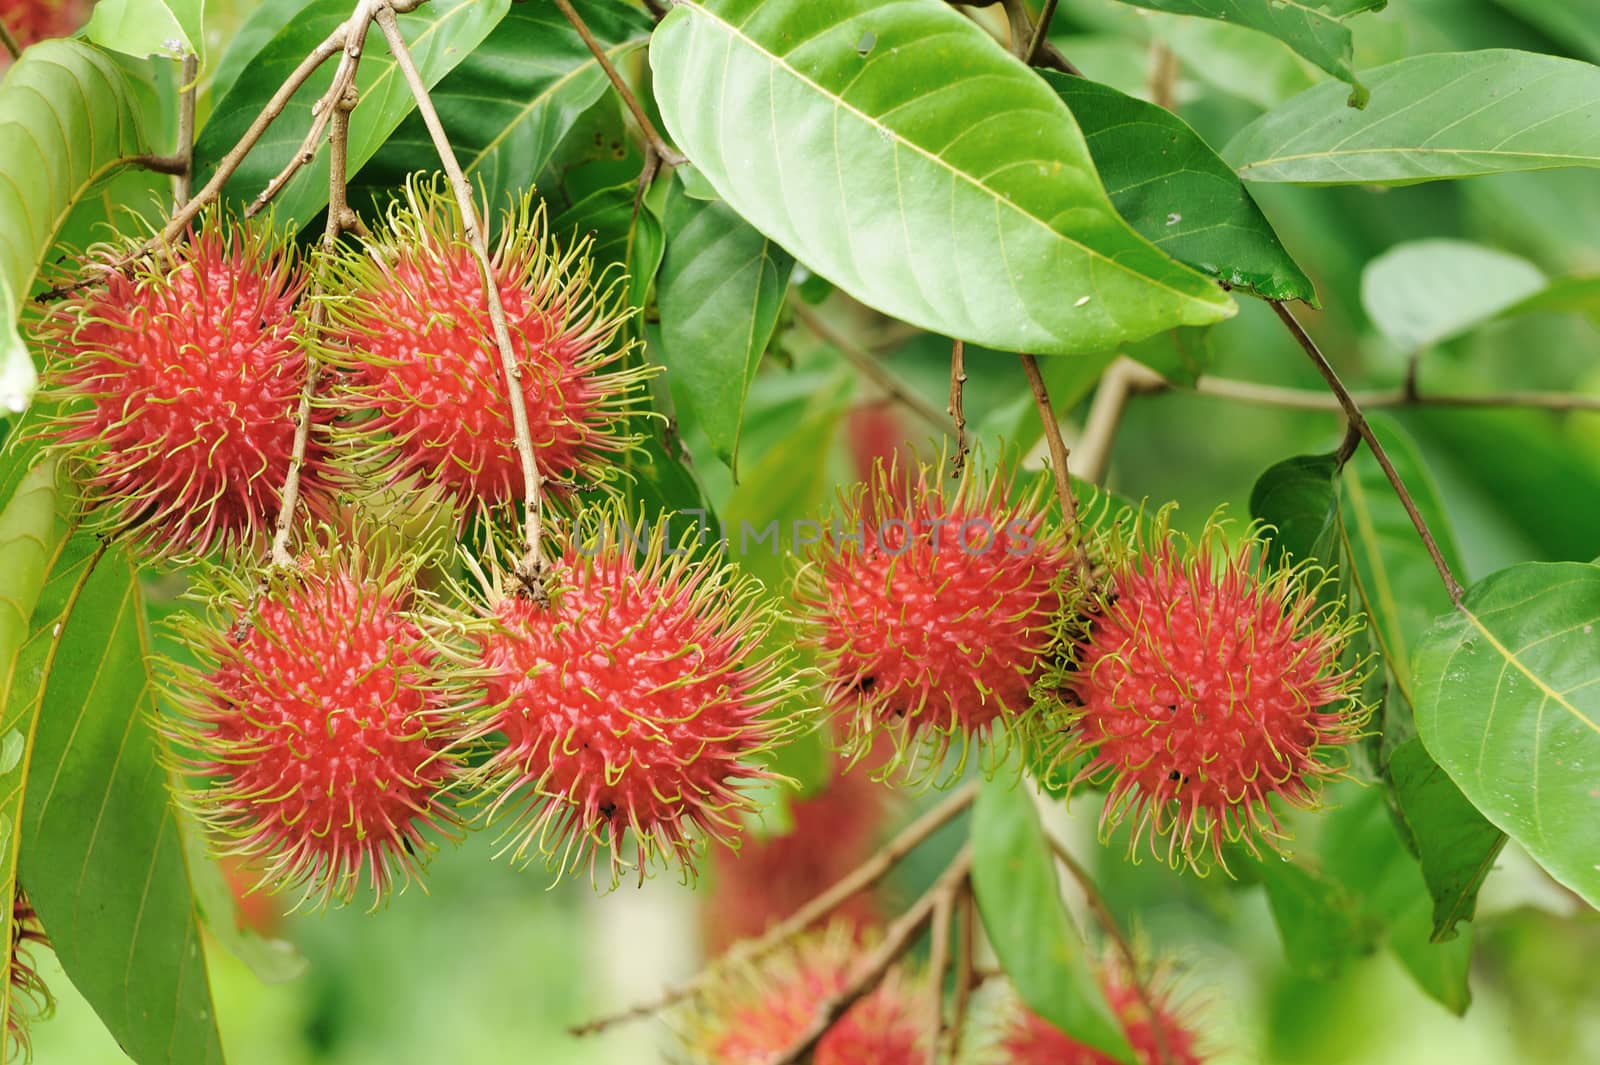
(653, 139)
(531, 567)
(1300, 399)
(1163, 83)
(1041, 31)
(1021, 31)
(186, 99)
(12, 46)
(957, 408)
(873, 369)
(1123, 378)
(1058, 458)
(896, 941)
(966, 972)
(1108, 924)
(1358, 421)
(938, 966)
(860, 879)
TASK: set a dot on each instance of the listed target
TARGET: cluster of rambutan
(342, 714)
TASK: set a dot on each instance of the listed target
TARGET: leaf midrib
(893, 135)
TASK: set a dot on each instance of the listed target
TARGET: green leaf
(1575, 23)
(1447, 115)
(1178, 193)
(1297, 498)
(1507, 702)
(440, 35)
(1426, 291)
(1019, 898)
(843, 131)
(510, 103)
(259, 27)
(1455, 844)
(70, 116)
(719, 290)
(1312, 28)
(1320, 922)
(140, 28)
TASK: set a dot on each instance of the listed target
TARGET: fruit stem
(664, 152)
(966, 971)
(1058, 460)
(531, 567)
(957, 408)
(1108, 924)
(1041, 30)
(852, 884)
(944, 907)
(1358, 421)
(871, 368)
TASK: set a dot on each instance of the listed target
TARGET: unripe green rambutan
(410, 334)
(178, 383)
(1210, 685)
(754, 1011)
(315, 727)
(632, 712)
(932, 610)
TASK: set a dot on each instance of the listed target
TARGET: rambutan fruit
(179, 382)
(1166, 1036)
(1209, 685)
(409, 330)
(28, 996)
(765, 880)
(32, 21)
(637, 700)
(316, 730)
(754, 1011)
(933, 611)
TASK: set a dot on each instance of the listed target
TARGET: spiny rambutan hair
(932, 609)
(638, 701)
(178, 382)
(752, 1011)
(410, 333)
(1210, 684)
(1166, 1036)
(315, 728)
(27, 997)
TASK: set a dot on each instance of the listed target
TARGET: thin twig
(938, 966)
(663, 150)
(1123, 378)
(12, 46)
(873, 369)
(957, 409)
(1163, 79)
(1108, 924)
(531, 568)
(1021, 30)
(183, 185)
(858, 880)
(896, 941)
(966, 974)
(1041, 31)
(1058, 458)
(1301, 399)
(1352, 411)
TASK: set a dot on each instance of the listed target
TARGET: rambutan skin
(409, 330)
(317, 731)
(932, 611)
(179, 384)
(638, 701)
(1209, 685)
(754, 1011)
(1028, 1039)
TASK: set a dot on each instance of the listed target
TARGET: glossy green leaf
(440, 34)
(843, 132)
(1425, 291)
(1313, 28)
(1019, 899)
(1509, 704)
(1455, 844)
(1297, 498)
(1170, 186)
(719, 290)
(141, 28)
(1446, 115)
(69, 117)
(508, 105)
(259, 27)
(1575, 23)
(1320, 922)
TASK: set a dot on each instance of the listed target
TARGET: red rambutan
(1027, 1039)
(32, 21)
(933, 611)
(755, 1011)
(179, 383)
(410, 331)
(27, 996)
(1209, 684)
(637, 700)
(317, 729)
